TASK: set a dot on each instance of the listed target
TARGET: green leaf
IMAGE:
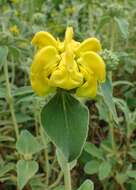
(61, 160)
(3, 55)
(121, 178)
(22, 117)
(122, 82)
(26, 169)
(123, 26)
(27, 144)
(6, 168)
(102, 109)
(2, 92)
(65, 120)
(106, 89)
(36, 184)
(59, 188)
(124, 108)
(87, 185)
(104, 170)
(92, 167)
(6, 138)
(94, 151)
(131, 173)
(133, 153)
(133, 185)
(104, 20)
(21, 91)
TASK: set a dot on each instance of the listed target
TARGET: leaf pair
(27, 145)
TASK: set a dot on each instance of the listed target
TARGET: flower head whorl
(67, 65)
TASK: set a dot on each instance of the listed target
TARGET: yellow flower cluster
(14, 29)
(67, 65)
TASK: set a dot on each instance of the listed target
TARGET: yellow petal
(89, 88)
(40, 84)
(94, 63)
(74, 45)
(45, 61)
(42, 39)
(67, 76)
(90, 44)
(68, 36)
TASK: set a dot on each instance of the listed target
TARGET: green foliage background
(109, 156)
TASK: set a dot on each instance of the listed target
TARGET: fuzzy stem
(57, 180)
(67, 177)
(113, 30)
(45, 154)
(10, 100)
(112, 40)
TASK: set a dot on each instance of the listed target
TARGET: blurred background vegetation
(109, 156)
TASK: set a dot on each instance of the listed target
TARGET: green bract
(65, 120)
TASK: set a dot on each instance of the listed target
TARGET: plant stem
(57, 180)
(47, 165)
(10, 100)
(65, 166)
(113, 143)
(113, 28)
(45, 154)
(112, 134)
(67, 177)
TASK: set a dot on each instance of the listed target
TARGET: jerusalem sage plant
(69, 69)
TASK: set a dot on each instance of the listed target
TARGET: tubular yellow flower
(67, 65)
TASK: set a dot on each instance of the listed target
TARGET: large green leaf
(26, 169)
(65, 120)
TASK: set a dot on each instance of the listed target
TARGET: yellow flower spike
(90, 44)
(42, 39)
(67, 76)
(95, 63)
(89, 88)
(44, 63)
